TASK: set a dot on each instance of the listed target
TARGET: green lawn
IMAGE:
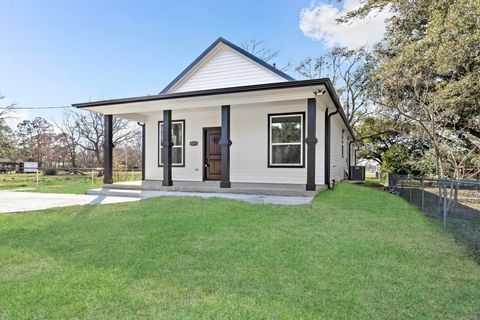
(62, 183)
(356, 253)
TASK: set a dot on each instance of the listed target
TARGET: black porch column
(327, 150)
(311, 142)
(225, 144)
(108, 149)
(143, 151)
(167, 148)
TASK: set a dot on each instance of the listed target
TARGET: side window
(285, 136)
(343, 143)
(178, 139)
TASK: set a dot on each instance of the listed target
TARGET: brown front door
(212, 155)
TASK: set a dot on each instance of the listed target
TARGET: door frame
(204, 150)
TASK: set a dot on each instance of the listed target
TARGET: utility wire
(36, 108)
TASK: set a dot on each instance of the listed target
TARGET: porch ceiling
(137, 108)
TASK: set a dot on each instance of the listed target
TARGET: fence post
(401, 186)
(93, 178)
(455, 189)
(423, 193)
(410, 180)
(445, 205)
(37, 177)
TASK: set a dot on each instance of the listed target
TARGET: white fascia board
(212, 100)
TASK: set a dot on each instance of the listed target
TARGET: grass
(373, 183)
(355, 253)
(64, 183)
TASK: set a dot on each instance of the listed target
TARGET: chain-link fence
(454, 203)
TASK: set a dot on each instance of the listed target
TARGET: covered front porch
(242, 116)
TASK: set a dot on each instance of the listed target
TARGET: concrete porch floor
(265, 189)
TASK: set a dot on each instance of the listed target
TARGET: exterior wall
(338, 164)
(352, 155)
(195, 121)
(226, 68)
(249, 150)
(320, 149)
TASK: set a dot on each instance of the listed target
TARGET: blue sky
(54, 53)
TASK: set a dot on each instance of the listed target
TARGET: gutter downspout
(327, 145)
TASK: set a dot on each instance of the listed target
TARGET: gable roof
(236, 49)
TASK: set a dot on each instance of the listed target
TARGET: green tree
(428, 73)
(35, 140)
(8, 143)
(377, 134)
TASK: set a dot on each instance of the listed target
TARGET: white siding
(249, 157)
(225, 67)
(195, 121)
(338, 164)
(249, 130)
(352, 154)
(249, 151)
(320, 150)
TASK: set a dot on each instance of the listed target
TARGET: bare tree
(69, 136)
(313, 68)
(348, 70)
(258, 49)
(90, 128)
(6, 111)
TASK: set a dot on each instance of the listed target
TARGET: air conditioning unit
(357, 173)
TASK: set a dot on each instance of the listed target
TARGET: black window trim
(270, 115)
(159, 146)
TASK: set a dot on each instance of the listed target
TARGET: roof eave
(257, 87)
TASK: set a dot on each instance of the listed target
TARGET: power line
(37, 108)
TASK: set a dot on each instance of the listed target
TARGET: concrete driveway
(11, 201)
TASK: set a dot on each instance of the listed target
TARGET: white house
(233, 119)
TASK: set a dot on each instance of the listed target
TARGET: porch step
(126, 189)
(120, 192)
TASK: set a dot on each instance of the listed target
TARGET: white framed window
(286, 133)
(178, 139)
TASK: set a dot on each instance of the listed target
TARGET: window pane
(286, 154)
(177, 140)
(176, 155)
(286, 129)
(177, 133)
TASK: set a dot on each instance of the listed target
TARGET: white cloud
(319, 23)
(16, 117)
